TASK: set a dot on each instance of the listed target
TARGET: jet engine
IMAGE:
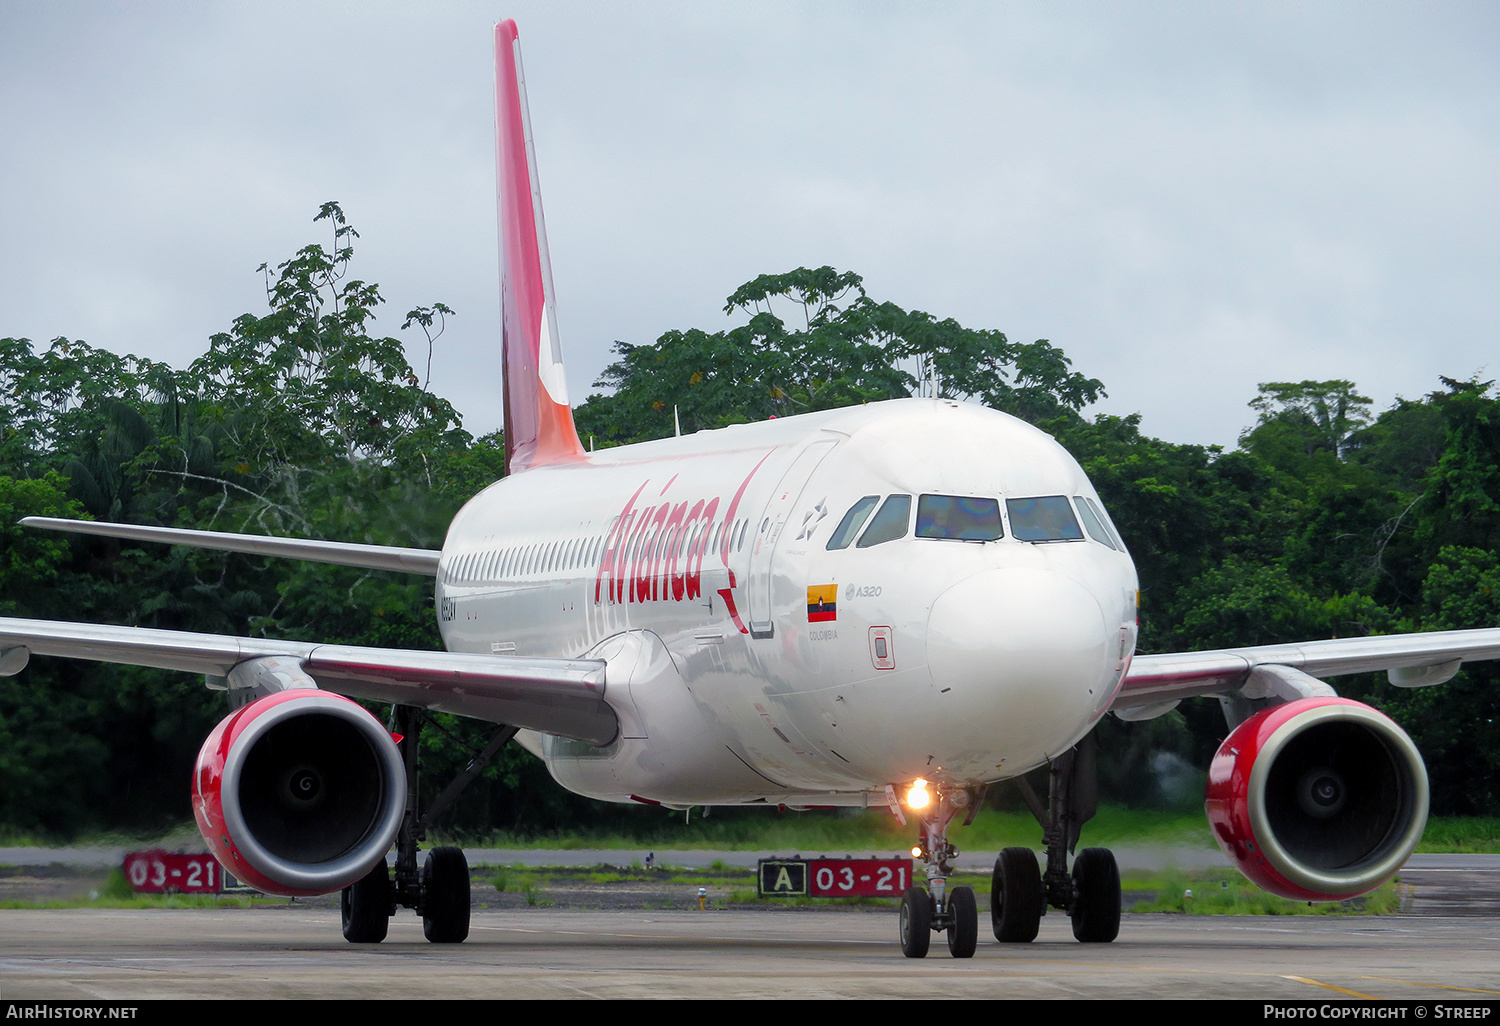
(299, 793)
(1319, 799)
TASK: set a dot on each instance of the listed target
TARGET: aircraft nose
(1025, 656)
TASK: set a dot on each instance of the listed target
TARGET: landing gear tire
(963, 923)
(916, 923)
(1017, 898)
(366, 907)
(445, 896)
(1096, 889)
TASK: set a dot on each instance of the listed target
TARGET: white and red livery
(872, 606)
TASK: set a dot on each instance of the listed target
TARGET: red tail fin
(538, 421)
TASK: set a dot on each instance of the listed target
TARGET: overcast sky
(1188, 199)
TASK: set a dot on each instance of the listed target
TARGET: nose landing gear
(934, 909)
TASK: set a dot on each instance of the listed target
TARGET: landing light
(917, 796)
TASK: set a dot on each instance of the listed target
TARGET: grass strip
(848, 831)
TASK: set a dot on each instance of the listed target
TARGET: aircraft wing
(375, 557)
(1410, 660)
(555, 696)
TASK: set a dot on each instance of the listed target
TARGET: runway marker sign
(833, 878)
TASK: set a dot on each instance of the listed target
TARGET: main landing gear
(439, 891)
(1020, 893)
(935, 909)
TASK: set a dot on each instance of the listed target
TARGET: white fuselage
(748, 661)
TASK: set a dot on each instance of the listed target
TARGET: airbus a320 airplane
(890, 605)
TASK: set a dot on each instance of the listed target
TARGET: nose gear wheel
(916, 923)
(929, 910)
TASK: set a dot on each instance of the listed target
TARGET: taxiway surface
(548, 953)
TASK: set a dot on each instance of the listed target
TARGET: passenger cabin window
(1091, 522)
(1043, 519)
(852, 522)
(889, 524)
(958, 517)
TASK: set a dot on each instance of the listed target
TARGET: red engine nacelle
(299, 793)
(1319, 799)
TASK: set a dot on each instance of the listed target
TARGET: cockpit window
(852, 522)
(1109, 524)
(1091, 522)
(961, 517)
(1047, 518)
(889, 524)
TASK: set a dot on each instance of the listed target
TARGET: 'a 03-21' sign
(154, 872)
(834, 878)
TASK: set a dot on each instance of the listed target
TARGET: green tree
(1456, 725)
(50, 400)
(1318, 414)
(1182, 509)
(298, 421)
(847, 349)
(307, 383)
(1462, 499)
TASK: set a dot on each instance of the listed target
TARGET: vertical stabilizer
(538, 421)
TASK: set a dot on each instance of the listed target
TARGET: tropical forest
(1330, 518)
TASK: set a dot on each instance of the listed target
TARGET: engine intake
(1319, 799)
(299, 793)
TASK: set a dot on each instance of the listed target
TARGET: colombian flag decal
(822, 603)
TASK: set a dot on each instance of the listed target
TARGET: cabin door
(768, 532)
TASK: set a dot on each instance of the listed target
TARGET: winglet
(538, 420)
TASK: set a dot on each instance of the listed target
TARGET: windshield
(960, 517)
(1046, 518)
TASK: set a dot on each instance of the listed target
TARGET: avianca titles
(893, 605)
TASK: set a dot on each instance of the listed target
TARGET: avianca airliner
(893, 605)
